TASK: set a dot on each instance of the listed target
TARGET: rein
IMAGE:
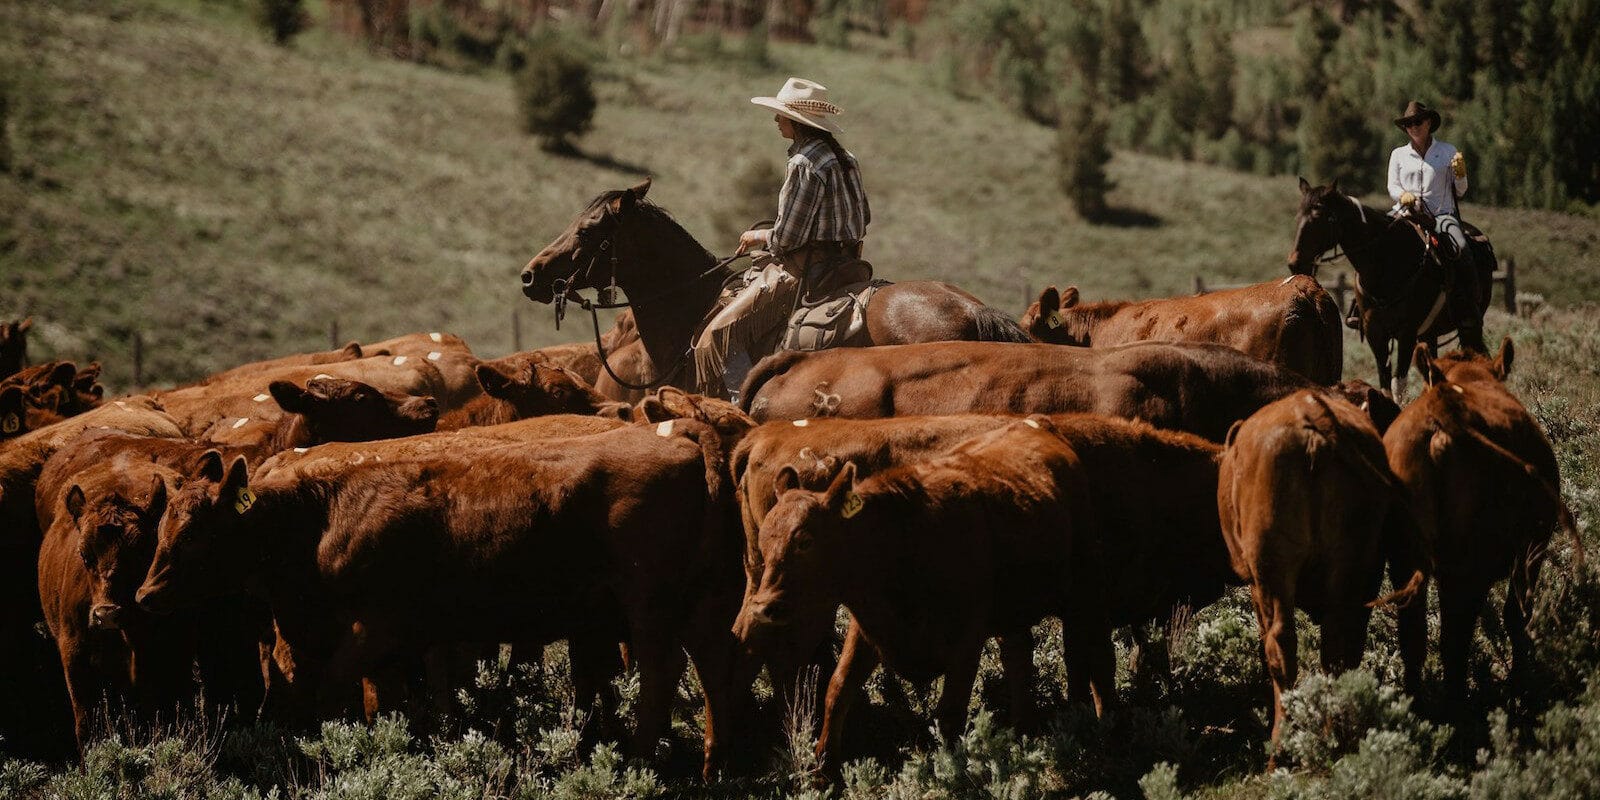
(606, 298)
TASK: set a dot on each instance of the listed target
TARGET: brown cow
(932, 559)
(1292, 322)
(32, 721)
(447, 352)
(14, 346)
(328, 410)
(350, 352)
(1200, 388)
(58, 389)
(534, 389)
(486, 541)
(15, 413)
(1304, 493)
(1486, 494)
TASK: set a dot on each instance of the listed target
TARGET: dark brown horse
(1400, 284)
(673, 283)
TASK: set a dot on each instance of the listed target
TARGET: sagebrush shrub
(1328, 717)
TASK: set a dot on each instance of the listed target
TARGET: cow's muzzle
(106, 616)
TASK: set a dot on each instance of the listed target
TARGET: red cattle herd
(294, 539)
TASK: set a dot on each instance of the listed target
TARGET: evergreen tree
(1215, 67)
(282, 19)
(1082, 154)
(555, 95)
(1122, 53)
(1335, 142)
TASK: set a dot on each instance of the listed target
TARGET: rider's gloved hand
(1408, 199)
(754, 240)
(1458, 165)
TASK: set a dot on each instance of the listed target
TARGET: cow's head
(116, 534)
(1043, 320)
(1324, 211)
(802, 550)
(536, 389)
(1379, 407)
(582, 255)
(198, 530)
(339, 410)
(1464, 366)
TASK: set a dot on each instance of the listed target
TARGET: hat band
(812, 106)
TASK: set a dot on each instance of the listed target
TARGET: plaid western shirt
(820, 200)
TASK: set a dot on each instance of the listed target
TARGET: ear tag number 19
(11, 424)
(852, 505)
(245, 499)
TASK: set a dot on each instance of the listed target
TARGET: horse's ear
(1502, 362)
(640, 190)
(1305, 188)
(1335, 187)
(1069, 298)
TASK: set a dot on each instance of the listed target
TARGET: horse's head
(584, 255)
(1323, 212)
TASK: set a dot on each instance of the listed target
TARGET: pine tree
(555, 95)
(1082, 153)
(282, 19)
(1335, 142)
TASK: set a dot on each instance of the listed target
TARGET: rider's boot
(1463, 300)
(738, 366)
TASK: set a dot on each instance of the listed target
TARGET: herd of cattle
(304, 537)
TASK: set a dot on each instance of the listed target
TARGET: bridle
(606, 299)
(1377, 303)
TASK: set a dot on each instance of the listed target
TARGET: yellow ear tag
(246, 499)
(852, 504)
(1054, 320)
(11, 424)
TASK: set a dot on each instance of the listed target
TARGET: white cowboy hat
(805, 102)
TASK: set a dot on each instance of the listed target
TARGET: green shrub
(282, 19)
(1082, 153)
(1560, 762)
(988, 761)
(555, 95)
(1326, 718)
(832, 30)
(755, 50)
(603, 779)
(178, 766)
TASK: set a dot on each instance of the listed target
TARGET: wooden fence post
(1199, 285)
(138, 360)
(1509, 283)
(516, 331)
(333, 335)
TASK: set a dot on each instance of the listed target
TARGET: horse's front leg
(1380, 355)
(1406, 346)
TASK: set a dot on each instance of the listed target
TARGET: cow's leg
(960, 673)
(661, 662)
(1275, 615)
(720, 667)
(349, 668)
(83, 687)
(596, 662)
(1518, 607)
(1091, 660)
(1016, 658)
(856, 662)
(1459, 604)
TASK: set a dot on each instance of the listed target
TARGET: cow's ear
(1422, 359)
(23, 326)
(1305, 188)
(351, 351)
(210, 467)
(1233, 432)
(787, 478)
(291, 398)
(158, 497)
(1049, 300)
(843, 484)
(75, 501)
(1334, 187)
(494, 382)
(1502, 362)
(238, 476)
(651, 409)
(1069, 297)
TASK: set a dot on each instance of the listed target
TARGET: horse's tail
(994, 325)
(770, 367)
(1313, 327)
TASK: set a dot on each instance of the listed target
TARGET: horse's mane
(650, 210)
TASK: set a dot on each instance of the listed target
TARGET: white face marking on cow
(240, 423)
(1030, 423)
(263, 397)
(435, 355)
(436, 337)
(398, 360)
(664, 429)
(801, 423)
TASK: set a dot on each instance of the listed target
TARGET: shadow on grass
(569, 150)
(1128, 218)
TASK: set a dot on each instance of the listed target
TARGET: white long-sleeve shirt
(1426, 176)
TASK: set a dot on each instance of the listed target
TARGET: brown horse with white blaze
(673, 284)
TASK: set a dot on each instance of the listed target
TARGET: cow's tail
(770, 367)
(1313, 325)
(993, 325)
(1563, 514)
(718, 521)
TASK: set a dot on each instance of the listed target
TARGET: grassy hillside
(174, 174)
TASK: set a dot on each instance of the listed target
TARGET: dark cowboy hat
(1416, 110)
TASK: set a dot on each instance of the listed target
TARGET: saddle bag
(833, 321)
